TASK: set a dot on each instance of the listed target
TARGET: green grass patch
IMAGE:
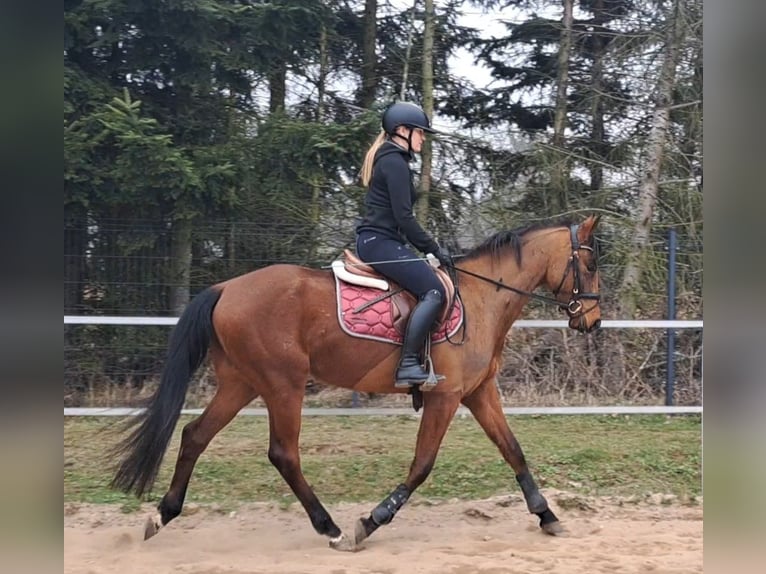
(364, 458)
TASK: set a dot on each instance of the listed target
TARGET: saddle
(374, 307)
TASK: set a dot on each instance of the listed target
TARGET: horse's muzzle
(581, 324)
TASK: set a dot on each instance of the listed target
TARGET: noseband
(574, 307)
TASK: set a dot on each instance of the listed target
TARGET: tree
(656, 142)
(560, 168)
(209, 138)
(369, 58)
(428, 107)
(138, 172)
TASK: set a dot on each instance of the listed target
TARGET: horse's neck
(505, 305)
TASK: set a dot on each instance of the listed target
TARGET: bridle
(573, 307)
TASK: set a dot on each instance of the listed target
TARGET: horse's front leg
(484, 404)
(438, 410)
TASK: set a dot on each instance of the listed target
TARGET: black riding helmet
(405, 114)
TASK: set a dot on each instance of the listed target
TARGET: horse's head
(572, 276)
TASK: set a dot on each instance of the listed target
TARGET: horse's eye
(592, 266)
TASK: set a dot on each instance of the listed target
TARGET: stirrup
(433, 378)
(409, 383)
(426, 384)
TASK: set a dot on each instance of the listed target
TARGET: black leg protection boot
(410, 371)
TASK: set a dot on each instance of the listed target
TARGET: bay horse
(271, 331)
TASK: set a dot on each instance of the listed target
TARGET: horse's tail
(142, 451)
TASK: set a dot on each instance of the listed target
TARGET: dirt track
(488, 537)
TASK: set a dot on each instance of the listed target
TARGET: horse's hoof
(553, 528)
(152, 526)
(343, 544)
(360, 532)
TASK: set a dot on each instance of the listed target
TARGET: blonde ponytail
(369, 158)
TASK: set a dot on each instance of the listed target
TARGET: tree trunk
(691, 142)
(426, 154)
(406, 68)
(231, 248)
(277, 87)
(596, 168)
(322, 81)
(315, 212)
(649, 188)
(369, 60)
(180, 265)
(560, 171)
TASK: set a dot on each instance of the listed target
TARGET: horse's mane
(511, 239)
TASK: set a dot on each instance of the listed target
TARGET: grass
(364, 458)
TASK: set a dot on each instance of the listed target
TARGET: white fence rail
(367, 412)
(523, 323)
(357, 411)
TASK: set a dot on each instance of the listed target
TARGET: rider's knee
(436, 295)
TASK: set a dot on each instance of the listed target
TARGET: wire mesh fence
(117, 267)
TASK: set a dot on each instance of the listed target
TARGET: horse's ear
(585, 231)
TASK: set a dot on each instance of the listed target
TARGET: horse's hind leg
(439, 408)
(484, 404)
(285, 428)
(230, 397)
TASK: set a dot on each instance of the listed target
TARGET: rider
(389, 223)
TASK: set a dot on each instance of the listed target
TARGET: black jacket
(390, 199)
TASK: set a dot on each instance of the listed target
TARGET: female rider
(389, 224)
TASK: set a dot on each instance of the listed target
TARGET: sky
(488, 23)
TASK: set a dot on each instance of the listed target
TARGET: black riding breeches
(401, 264)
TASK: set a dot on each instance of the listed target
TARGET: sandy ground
(492, 536)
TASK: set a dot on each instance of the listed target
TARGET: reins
(574, 306)
(501, 285)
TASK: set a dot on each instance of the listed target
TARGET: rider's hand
(444, 257)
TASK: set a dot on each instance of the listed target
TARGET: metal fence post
(671, 334)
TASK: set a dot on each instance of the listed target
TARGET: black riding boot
(410, 370)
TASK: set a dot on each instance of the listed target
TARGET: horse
(272, 331)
